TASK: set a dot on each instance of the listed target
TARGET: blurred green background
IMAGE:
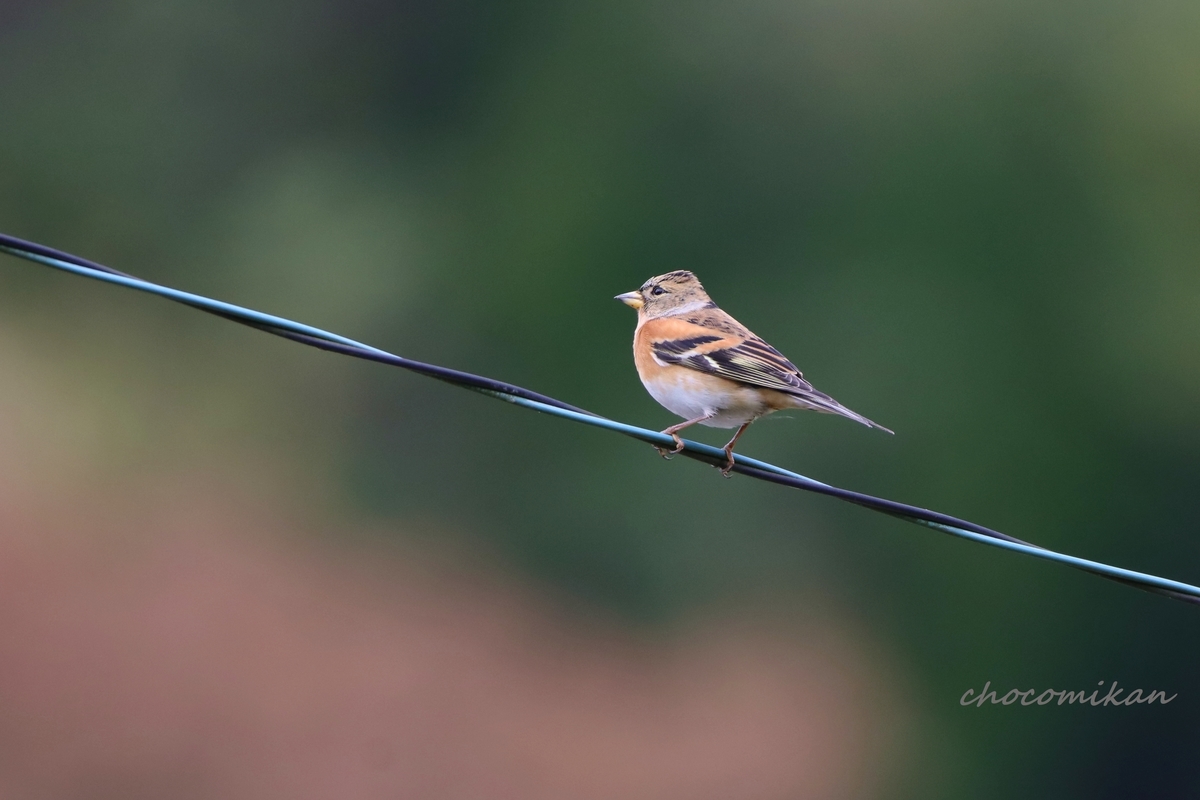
(978, 224)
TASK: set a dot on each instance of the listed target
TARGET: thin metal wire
(744, 465)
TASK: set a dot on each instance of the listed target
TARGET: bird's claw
(665, 453)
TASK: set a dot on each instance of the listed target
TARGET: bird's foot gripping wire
(664, 452)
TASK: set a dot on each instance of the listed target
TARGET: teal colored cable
(525, 398)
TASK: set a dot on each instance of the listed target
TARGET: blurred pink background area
(165, 632)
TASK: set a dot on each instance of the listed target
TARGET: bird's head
(676, 292)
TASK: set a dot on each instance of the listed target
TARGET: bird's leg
(673, 432)
(729, 449)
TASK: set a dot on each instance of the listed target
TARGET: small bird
(705, 366)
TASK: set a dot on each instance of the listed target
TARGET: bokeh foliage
(975, 223)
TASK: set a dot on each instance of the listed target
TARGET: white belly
(691, 395)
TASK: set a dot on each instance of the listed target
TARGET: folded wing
(749, 361)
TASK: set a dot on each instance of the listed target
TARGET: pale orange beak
(631, 299)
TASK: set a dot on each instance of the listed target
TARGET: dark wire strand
(17, 246)
(743, 465)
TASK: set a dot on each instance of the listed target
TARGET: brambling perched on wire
(705, 366)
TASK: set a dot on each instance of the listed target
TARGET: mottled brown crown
(667, 294)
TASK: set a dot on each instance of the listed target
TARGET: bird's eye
(658, 290)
